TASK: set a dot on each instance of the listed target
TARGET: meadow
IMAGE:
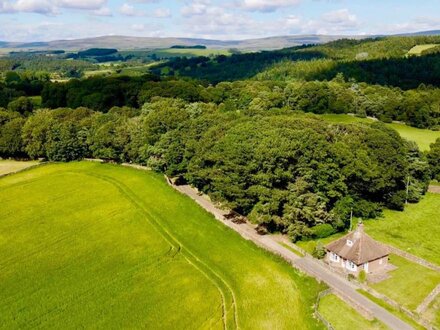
(94, 245)
(415, 230)
(423, 137)
(343, 317)
(419, 49)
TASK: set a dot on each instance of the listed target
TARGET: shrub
(322, 230)
(319, 251)
(362, 276)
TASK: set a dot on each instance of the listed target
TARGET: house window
(350, 266)
(334, 257)
(349, 243)
(380, 261)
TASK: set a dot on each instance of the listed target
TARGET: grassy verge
(409, 284)
(104, 246)
(392, 310)
(343, 317)
(288, 247)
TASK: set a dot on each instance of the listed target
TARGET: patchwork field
(423, 137)
(343, 317)
(10, 166)
(91, 245)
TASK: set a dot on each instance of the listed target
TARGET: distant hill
(130, 43)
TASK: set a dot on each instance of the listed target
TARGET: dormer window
(349, 243)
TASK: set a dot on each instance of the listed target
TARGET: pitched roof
(363, 247)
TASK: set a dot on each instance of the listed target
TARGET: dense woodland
(253, 144)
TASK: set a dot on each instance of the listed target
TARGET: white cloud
(162, 13)
(48, 7)
(129, 10)
(267, 5)
(104, 11)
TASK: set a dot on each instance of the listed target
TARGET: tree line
(286, 171)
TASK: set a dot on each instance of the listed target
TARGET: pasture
(415, 230)
(409, 284)
(11, 166)
(423, 137)
(343, 317)
(93, 245)
(419, 49)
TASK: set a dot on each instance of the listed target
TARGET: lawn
(95, 245)
(417, 50)
(416, 230)
(409, 284)
(310, 245)
(423, 137)
(343, 317)
(10, 166)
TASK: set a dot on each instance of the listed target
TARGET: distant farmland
(90, 245)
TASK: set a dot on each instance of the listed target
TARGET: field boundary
(427, 301)
(321, 295)
(413, 258)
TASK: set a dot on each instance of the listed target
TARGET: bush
(319, 251)
(366, 210)
(362, 276)
(322, 230)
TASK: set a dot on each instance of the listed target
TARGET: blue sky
(31, 20)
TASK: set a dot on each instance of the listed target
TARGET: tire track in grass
(226, 292)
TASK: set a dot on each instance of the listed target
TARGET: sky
(44, 20)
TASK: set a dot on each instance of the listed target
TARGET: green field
(343, 317)
(10, 166)
(416, 230)
(91, 245)
(409, 284)
(423, 137)
(189, 52)
(419, 49)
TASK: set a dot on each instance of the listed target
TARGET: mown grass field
(91, 245)
(419, 49)
(423, 137)
(343, 317)
(11, 166)
(416, 230)
(409, 284)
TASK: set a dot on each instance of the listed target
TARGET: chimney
(359, 231)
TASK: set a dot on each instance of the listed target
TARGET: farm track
(229, 313)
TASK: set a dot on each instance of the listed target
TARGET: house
(356, 252)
